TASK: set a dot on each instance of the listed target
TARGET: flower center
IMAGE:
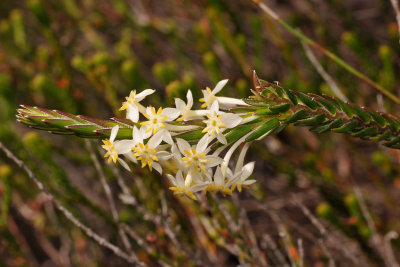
(145, 154)
(194, 159)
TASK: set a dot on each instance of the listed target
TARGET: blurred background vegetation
(320, 200)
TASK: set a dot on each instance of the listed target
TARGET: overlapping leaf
(322, 113)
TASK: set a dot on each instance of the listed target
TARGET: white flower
(209, 96)
(224, 102)
(186, 187)
(147, 153)
(221, 184)
(245, 173)
(196, 157)
(218, 121)
(115, 148)
(185, 109)
(157, 119)
(132, 105)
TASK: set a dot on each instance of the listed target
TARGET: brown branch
(88, 231)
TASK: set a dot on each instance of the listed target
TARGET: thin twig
(389, 255)
(254, 247)
(88, 231)
(142, 243)
(328, 79)
(301, 252)
(234, 227)
(326, 252)
(109, 196)
(268, 243)
(377, 242)
(367, 216)
(396, 9)
(323, 232)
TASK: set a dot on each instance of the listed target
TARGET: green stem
(327, 53)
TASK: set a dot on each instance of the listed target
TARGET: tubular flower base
(199, 144)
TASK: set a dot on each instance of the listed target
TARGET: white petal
(183, 145)
(247, 170)
(132, 113)
(229, 172)
(156, 139)
(179, 179)
(249, 182)
(148, 110)
(163, 155)
(180, 104)
(124, 146)
(124, 164)
(218, 177)
(130, 157)
(114, 132)
(232, 181)
(231, 120)
(167, 137)
(175, 151)
(137, 136)
(229, 102)
(214, 106)
(157, 167)
(171, 113)
(189, 97)
(202, 144)
(139, 97)
(171, 179)
(219, 86)
(199, 187)
(143, 132)
(214, 161)
(221, 138)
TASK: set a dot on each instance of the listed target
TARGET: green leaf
(282, 108)
(193, 135)
(266, 111)
(345, 107)
(361, 113)
(291, 96)
(299, 115)
(324, 128)
(312, 121)
(392, 121)
(327, 105)
(393, 141)
(264, 129)
(385, 136)
(347, 127)
(308, 101)
(370, 131)
(377, 117)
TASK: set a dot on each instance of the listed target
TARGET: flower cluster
(200, 163)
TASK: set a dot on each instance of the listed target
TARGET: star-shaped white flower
(185, 186)
(132, 105)
(209, 96)
(222, 183)
(115, 148)
(195, 157)
(185, 110)
(157, 120)
(147, 153)
(244, 174)
(218, 121)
